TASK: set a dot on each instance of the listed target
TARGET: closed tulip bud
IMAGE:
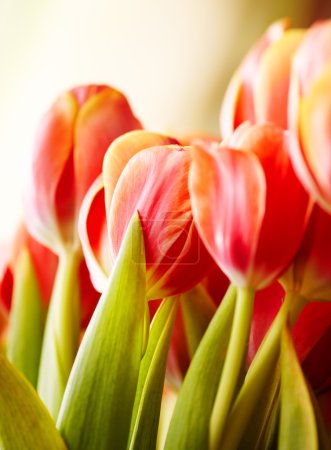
(147, 173)
(68, 153)
(258, 91)
(253, 211)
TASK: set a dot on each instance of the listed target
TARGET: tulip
(258, 91)
(310, 112)
(146, 172)
(25, 288)
(251, 216)
(72, 139)
(68, 155)
(252, 188)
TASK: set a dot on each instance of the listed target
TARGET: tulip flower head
(252, 212)
(147, 173)
(258, 91)
(310, 112)
(68, 153)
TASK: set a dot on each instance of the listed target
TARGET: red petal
(102, 118)
(229, 208)
(94, 236)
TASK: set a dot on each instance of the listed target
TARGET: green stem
(27, 319)
(61, 333)
(232, 365)
(260, 371)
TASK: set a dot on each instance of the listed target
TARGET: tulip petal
(315, 134)
(154, 182)
(102, 118)
(93, 234)
(52, 153)
(122, 150)
(238, 105)
(312, 55)
(287, 204)
(273, 77)
(236, 188)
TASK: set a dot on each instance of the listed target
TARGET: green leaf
(198, 310)
(260, 430)
(24, 421)
(97, 405)
(189, 427)
(298, 430)
(27, 319)
(147, 404)
(323, 438)
(61, 335)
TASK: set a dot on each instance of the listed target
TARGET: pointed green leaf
(147, 404)
(24, 421)
(198, 310)
(98, 401)
(298, 430)
(61, 335)
(27, 319)
(189, 427)
(260, 426)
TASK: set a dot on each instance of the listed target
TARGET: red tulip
(258, 91)
(145, 172)
(68, 153)
(310, 112)
(252, 212)
(45, 265)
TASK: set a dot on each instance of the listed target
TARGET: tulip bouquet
(170, 293)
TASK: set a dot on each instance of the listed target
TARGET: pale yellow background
(172, 58)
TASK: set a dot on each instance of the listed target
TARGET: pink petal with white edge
(93, 234)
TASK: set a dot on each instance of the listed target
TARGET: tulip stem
(61, 333)
(236, 352)
(261, 370)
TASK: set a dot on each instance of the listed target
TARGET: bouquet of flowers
(173, 293)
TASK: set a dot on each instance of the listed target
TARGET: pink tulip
(258, 91)
(70, 145)
(252, 212)
(148, 173)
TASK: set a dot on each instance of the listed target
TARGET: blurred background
(172, 58)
